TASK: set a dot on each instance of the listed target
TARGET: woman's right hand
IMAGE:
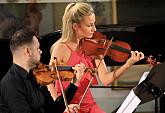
(79, 70)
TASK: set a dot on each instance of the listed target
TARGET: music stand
(149, 89)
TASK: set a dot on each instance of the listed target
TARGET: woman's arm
(107, 77)
(55, 53)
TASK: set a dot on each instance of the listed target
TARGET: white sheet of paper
(131, 101)
(129, 104)
(144, 76)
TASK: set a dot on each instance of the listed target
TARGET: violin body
(45, 74)
(118, 51)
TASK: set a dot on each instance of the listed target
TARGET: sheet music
(144, 76)
(129, 104)
(131, 101)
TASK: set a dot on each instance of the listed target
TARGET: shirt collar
(22, 72)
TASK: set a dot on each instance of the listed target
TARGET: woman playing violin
(79, 22)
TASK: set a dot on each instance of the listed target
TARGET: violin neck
(64, 68)
(119, 48)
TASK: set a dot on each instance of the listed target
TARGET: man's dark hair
(21, 37)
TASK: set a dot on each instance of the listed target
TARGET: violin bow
(63, 93)
(86, 90)
(109, 44)
(95, 71)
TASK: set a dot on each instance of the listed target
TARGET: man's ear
(27, 51)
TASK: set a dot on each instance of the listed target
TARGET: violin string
(63, 93)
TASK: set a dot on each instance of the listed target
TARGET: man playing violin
(19, 92)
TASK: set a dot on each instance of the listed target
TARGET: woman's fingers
(135, 57)
(79, 68)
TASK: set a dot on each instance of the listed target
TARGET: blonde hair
(74, 13)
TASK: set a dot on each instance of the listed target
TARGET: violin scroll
(152, 61)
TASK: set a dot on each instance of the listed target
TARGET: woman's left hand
(135, 57)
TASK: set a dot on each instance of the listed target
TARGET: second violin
(46, 74)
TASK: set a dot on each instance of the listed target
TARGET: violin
(119, 51)
(46, 74)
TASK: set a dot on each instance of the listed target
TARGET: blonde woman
(79, 22)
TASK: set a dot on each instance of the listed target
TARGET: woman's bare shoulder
(58, 47)
(60, 51)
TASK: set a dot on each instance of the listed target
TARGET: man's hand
(73, 108)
